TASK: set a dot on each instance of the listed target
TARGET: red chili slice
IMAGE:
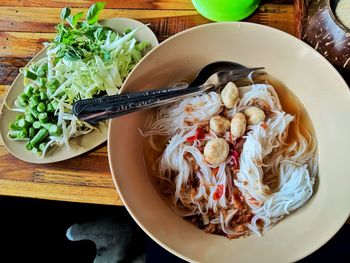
(191, 139)
(235, 154)
(198, 136)
(200, 133)
(235, 158)
(218, 192)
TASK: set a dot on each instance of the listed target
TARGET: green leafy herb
(73, 20)
(94, 11)
(65, 13)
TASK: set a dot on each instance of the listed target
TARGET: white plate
(80, 144)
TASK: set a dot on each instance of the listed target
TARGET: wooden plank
(51, 191)
(26, 19)
(122, 4)
(59, 175)
(3, 92)
(17, 47)
(75, 178)
(22, 45)
(92, 164)
(277, 16)
(25, 44)
(9, 68)
(82, 179)
(134, 4)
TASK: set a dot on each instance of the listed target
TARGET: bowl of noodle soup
(259, 178)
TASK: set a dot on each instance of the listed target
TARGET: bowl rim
(122, 90)
(315, 52)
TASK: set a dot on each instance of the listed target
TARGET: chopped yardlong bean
(43, 117)
(22, 123)
(50, 108)
(22, 134)
(14, 134)
(41, 107)
(53, 84)
(31, 132)
(14, 126)
(36, 91)
(42, 146)
(39, 136)
(35, 99)
(36, 125)
(28, 146)
(43, 96)
(41, 73)
(55, 130)
(29, 117)
(52, 128)
(29, 74)
(42, 82)
(34, 111)
(28, 90)
(23, 96)
(22, 102)
(54, 104)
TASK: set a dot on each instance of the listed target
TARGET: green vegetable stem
(39, 136)
(29, 74)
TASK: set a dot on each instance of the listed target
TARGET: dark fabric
(35, 231)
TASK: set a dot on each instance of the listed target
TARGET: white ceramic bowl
(299, 67)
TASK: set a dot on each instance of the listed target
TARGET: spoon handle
(102, 108)
(99, 103)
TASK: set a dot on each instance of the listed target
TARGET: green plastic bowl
(226, 10)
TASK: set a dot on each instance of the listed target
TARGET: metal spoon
(209, 77)
(100, 103)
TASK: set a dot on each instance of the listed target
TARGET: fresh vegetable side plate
(77, 145)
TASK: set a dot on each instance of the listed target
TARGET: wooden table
(26, 24)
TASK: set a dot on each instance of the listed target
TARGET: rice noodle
(273, 177)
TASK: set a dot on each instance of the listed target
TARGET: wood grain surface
(26, 24)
